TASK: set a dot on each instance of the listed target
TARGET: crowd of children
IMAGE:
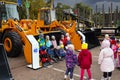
(110, 52)
(51, 52)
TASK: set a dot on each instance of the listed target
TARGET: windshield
(11, 10)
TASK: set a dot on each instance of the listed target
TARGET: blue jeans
(71, 72)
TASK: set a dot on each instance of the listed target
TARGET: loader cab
(8, 10)
(2, 12)
(47, 15)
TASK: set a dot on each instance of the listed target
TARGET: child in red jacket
(85, 61)
(44, 57)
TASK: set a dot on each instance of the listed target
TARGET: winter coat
(68, 42)
(41, 42)
(85, 59)
(64, 41)
(118, 51)
(61, 52)
(43, 56)
(106, 58)
(48, 43)
(114, 47)
(70, 59)
(54, 43)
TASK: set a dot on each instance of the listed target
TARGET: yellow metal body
(11, 25)
(26, 27)
(68, 26)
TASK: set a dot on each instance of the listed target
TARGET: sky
(91, 3)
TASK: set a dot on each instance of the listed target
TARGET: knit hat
(41, 35)
(70, 46)
(53, 37)
(43, 47)
(62, 46)
(84, 46)
(106, 35)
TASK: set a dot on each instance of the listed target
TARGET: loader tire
(12, 43)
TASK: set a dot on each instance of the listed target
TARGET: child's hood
(85, 52)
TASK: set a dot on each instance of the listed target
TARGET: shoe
(118, 68)
(72, 79)
(102, 78)
(65, 77)
(105, 79)
(109, 78)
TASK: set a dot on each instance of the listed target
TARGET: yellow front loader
(14, 32)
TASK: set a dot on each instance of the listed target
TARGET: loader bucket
(91, 39)
(5, 73)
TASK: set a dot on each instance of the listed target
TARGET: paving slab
(56, 71)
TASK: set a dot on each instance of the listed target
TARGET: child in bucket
(85, 61)
(51, 53)
(44, 57)
(61, 50)
(71, 61)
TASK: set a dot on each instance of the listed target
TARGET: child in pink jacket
(118, 52)
(114, 47)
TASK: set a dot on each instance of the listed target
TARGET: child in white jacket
(106, 60)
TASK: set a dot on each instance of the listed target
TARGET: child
(63, 40)
(114, 47)
(44, 56)
(41, 41)
(54, 42)
(85, 61)
(107, 38)
(106, 60)
(71, 60)
(68, 41)
(47, 42)
(61, 50)
(51, 53)
(118, 52)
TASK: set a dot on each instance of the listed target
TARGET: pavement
(56, 71)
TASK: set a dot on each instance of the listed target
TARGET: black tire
(16, 47)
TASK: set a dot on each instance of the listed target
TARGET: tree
(83, 10)
(59, 10)
(34, 6)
